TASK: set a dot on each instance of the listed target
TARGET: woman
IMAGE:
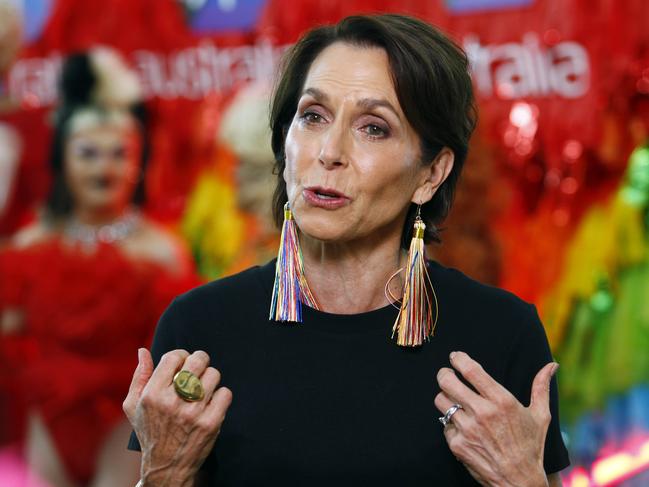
(370, 125)
(83, 285)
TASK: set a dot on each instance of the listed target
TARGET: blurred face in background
(102, 167)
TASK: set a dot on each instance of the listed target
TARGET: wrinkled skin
(498, 439)
(175, 436)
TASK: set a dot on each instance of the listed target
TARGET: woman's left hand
(499, 440)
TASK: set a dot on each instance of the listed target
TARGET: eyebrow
(365, 103)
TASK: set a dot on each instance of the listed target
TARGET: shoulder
(160, 246)
(495, 327)
(485, 318)
(33, 234)
(473, 297)
(243, 288)
(224, 307)
(233, 296)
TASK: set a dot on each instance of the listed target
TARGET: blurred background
(552, 205)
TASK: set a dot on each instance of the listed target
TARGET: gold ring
(188, 386)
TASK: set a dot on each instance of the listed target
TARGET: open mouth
(328, 195)
(102, 182)
(325, 197)
(326, 192)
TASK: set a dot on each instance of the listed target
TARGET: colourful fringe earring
(415, 322)
(290, 289)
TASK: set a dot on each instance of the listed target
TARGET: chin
(325, 227)
(105, 199)
(98, 205)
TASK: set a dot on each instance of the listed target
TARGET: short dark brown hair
(432, 82)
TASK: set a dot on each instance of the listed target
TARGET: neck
(350, 277)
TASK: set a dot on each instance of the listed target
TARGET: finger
(196, 363)
(167, 367)
(451, 433)
(453, 387)
(210, 379)
(141, 377)
(218, 405)
(540, 396)
(142, 372)
(473, 372)
(443, 403)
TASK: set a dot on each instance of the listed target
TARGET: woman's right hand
(175, 436)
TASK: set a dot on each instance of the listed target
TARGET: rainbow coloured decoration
(290, 288)
(415, 323)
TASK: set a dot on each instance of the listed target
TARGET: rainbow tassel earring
(290, 289)
(415, 322)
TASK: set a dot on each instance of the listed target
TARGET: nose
(104, 164)
(333, 153)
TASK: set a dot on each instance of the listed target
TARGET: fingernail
(452, 355)
(140, 351)
(554, 369)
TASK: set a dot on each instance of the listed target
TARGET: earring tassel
(415, 322)
(290, 289)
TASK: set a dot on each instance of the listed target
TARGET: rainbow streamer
(290, 289)
(415, 322)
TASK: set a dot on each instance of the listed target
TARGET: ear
(433, 176)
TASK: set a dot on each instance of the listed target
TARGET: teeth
(325, 195)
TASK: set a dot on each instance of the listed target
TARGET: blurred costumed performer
(10, 144)
(228, 219)
(10, 152)
(86, 282)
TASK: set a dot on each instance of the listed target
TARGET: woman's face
(102, 166)
(353, 163)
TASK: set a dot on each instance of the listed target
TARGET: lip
(335, 200)
(102, 183)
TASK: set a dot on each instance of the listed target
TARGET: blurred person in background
(11, 34)
(228, 220)
(83, 285)
(10, 143)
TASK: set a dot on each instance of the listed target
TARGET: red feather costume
(86, 314)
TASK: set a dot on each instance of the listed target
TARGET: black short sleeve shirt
(334, 400)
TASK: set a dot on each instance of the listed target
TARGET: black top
(334, 400)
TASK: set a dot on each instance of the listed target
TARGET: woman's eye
(119, 153)
(88, 153)
(312, 117)
(375, 131)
